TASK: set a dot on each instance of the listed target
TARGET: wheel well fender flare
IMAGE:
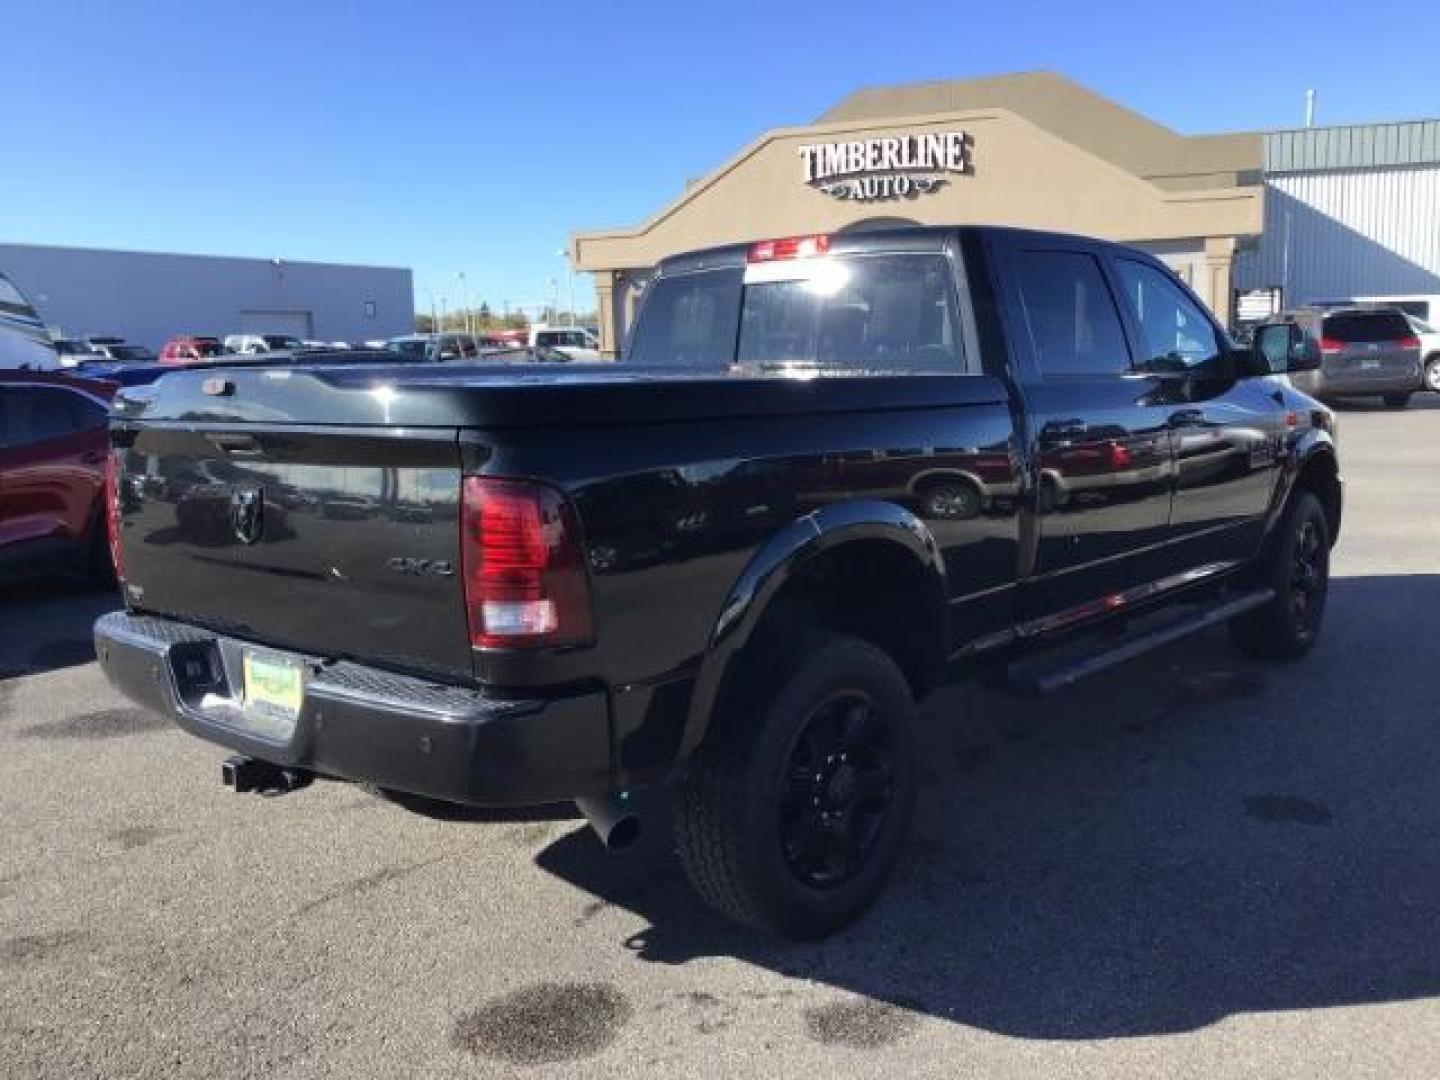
(1311, 446)
(776, 563)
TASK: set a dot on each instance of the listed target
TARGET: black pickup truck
(829, 472)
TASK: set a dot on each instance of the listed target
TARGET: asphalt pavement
(1196, 866)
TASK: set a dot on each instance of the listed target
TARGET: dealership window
(876, 313)
(1177, 336)
(1074, 325)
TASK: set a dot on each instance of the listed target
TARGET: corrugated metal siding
(1357, 232)
(1360, 146)
(148, 297)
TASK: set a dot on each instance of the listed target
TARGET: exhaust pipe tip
(612, 819)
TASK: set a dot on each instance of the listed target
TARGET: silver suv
(1364, 352)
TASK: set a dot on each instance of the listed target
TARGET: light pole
(434, 322)
(570, 274)
(555, 303)
(465, 299)
(441, 327)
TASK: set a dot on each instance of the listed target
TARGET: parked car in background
(261, 343)
(501, 338)
(1363, 351)
(72, 352)
(435, 347)
(574, 342)
(122, 352)
(54, 443)
(1424, 306)
(23, 340)
(191, 349)
(1429, 351)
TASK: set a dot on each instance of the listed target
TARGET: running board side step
(1033, 678)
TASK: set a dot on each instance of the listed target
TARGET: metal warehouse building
(1317, 213)
(1349, 211)
(149, 297)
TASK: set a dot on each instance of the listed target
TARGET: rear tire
(1396, 401)
(1297, 567)
(799, 802)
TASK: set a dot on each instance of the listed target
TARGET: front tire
(1432, 374)
(1298, 569)
(799, 802)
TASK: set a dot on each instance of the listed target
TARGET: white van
(23, 340)
(1424, 306)
(575, 342)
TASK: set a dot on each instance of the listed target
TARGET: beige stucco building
(1033, 150)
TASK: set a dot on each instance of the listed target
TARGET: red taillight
(1330, 345)
(791, 247)
(112, 510)
(1411, 342)
(525, 580)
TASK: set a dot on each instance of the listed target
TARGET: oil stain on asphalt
(1287, 808)
(547, 1022)
(861, 1025)
(31, 948)
(137, 836)
(104, 724)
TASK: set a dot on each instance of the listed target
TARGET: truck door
(1100, 442)
(1225, 428)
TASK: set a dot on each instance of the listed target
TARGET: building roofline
(195, 255)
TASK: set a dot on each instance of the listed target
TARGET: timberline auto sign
(889, 168)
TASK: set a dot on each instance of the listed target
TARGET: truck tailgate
(330, 540)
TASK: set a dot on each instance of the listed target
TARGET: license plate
(1368, 363)
(274, 688)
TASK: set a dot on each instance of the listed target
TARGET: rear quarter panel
(674, 513)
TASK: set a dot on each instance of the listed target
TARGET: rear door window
(1071, 315)
(1364, 327)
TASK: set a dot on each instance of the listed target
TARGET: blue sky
(451, 136)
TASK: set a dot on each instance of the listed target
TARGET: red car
(191, 349)
(54, 446)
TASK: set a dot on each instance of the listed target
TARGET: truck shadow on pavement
(45, 624)
(1193, 836)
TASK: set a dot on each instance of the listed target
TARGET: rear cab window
(862, 313)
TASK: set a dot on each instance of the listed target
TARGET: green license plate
(274, 689)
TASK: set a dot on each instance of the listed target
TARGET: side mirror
(1283, 349)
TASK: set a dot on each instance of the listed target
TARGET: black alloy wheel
(838, 790)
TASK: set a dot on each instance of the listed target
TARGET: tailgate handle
(238, 445)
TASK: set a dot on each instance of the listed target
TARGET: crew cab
(826, 470)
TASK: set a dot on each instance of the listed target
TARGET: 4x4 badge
(247, 513)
